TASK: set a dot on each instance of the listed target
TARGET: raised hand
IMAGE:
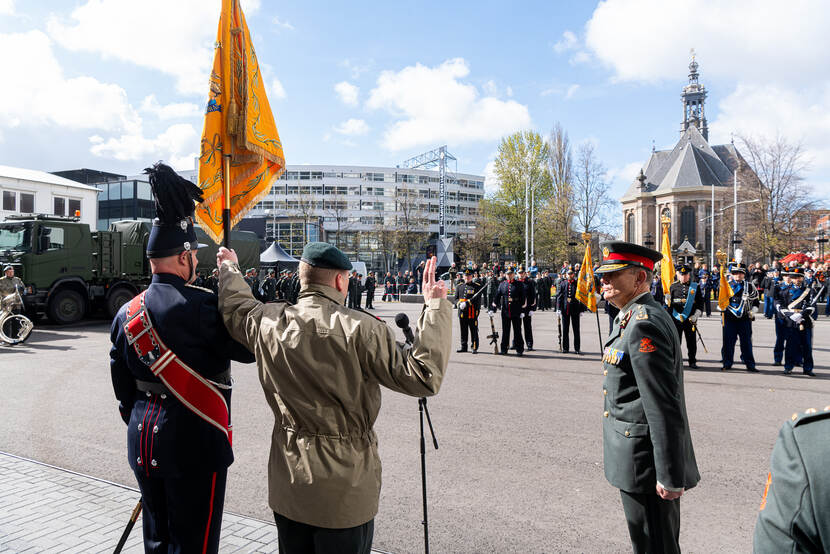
(431, 287)
(225, 254)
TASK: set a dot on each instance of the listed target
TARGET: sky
(116, 85)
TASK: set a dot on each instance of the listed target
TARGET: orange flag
(585, 292)
(239, 123)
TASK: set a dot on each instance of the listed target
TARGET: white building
(355, 202)
(29, 191)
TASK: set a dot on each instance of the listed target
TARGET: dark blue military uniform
(530, 307)
(509, 298)
(569, 308)
(179, 460)
(737, 324)
(798, 333)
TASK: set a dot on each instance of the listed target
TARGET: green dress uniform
(795, 510)
(645, 429)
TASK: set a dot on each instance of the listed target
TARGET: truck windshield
(16, 237)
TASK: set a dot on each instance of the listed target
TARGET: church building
(679, 182)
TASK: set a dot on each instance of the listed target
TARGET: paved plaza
(519, 468)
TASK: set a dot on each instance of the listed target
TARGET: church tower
(693, 98)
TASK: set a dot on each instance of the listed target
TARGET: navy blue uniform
(737, 324)
(569, 309)
(530, 307)
(179, 460)
(799, 335)
(509, 298)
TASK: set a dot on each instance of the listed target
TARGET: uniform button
(605, 372)
(140, 427)
(163, 396)
(138, 461)
(153, 463)
(627, 434)
(156, 429)
(148, 394)
(605, 392)
(605, 414)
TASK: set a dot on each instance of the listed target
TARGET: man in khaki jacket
(321, 366)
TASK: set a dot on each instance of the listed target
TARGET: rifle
(494, 336)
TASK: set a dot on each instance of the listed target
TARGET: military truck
(70, 271)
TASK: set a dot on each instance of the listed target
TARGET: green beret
(324, 255)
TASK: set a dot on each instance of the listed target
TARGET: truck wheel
(118, 298)
(67, 306)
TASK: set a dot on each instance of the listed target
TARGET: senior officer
(796, 501)
(178, 425)
(321, 366)
(646, 439)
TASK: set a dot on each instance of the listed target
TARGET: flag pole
(226, 189)
(587, 238)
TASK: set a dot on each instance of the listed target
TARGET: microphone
(402, 321)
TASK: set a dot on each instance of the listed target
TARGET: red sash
(198, 394)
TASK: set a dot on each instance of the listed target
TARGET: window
(60, 206)
(52, 237)
(74, 207)
(27, 203)
(9, 201)
(688, 224)
(629, 233)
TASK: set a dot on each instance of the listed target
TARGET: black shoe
(752, 370)
(566, 351)
(809, 374)
(578, 352)
(461, 350)
(788, 371)
(502, 353)
(519, 354)
(475, 350)
(693, 365)
(725, 368)
(776, 363)
(530, 349)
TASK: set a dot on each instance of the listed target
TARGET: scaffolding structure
(439, 158)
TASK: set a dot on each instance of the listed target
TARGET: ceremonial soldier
(569, 309)
(9, 284)
(686, 307)
(371, 283)
(321, 366)
(796, 500)
(269, 287)
(212, 281)
(796, 305)
(170, 367)
(469, 306)
(351, 292)
(781, 330)
(705, 290)
(509, 298)
(529, 307)
(737, 319)
(647, 444)
(769, 285)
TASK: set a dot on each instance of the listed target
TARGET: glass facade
(129, 199)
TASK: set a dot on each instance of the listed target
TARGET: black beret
(468, 271)
(324, 255)
(683, 269)
(618, 254)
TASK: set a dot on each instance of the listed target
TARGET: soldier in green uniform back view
(795, 510)
(647, 445)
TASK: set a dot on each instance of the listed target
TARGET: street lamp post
(571, 244)
(821, 239)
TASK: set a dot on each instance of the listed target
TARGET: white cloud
(491, 181)
(356, 69)
(282, 24)
(490, 88)
(509, 91)
(352, 127)
(176, 110)
(567, 42)
(175, 38)
(41, 95)
(6, 7)
(756, 39)
(571, 91)
(276, 90)
(431, 105)
(347, 92)
(175, 145)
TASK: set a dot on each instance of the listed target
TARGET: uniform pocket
(631, 430)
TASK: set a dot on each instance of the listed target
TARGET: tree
(592, 203)
(338, 211)
(775, 224)
(411, 222)
(521, 165)
(558, 213)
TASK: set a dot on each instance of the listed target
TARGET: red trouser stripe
(210, 513)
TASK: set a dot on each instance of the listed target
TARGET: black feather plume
(174, 194)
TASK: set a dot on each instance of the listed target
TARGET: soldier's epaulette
(641, 314)
(810, 414)
(367, 313)
(197, 287)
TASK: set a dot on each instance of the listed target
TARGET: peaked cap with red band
(618, 254)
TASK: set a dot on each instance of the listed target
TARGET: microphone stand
(423, 410)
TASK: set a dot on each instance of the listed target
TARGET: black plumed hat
(176, 198)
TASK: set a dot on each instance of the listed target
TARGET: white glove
(796, 317)
(694, 316)
(530, 312)
(462, 305)
(490, 313)
(521, 315)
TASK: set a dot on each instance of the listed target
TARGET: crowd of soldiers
(272, 288)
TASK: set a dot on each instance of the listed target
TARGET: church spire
(693, 98)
